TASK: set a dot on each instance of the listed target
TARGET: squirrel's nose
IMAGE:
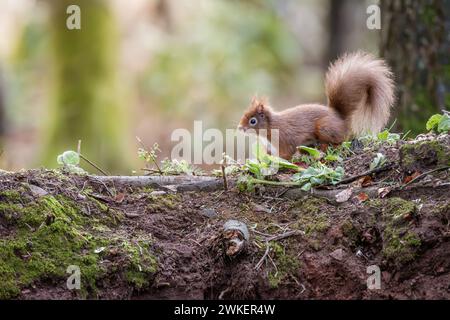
(241, 128)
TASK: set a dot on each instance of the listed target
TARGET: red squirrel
(360, 92)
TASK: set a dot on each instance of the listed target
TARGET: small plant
(385, 136)
(378, 161)
(316, 154)
(232, 167)
(70, 160)
(149, 155)
(303, 159)
(337, 154)
(265, 164)
(316, 175)
(439, 123)
(175, 167)
(246, 183)
(332, 154)
(167, 167)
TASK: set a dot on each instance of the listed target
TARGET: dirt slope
(141, 243)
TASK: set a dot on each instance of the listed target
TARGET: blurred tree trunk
(344, 27)
(86, 102)
(164, 15)
(415, 41)
(338, 29)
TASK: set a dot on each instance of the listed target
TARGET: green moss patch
(424, 154)
(286, 265)
(162, 203)
(312, 218)
(350, 231)
(400, 244)
(52, 233)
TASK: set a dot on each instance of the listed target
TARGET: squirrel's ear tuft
(260, 108)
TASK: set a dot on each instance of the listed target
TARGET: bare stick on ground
(366, 173)
(224, 162)
(276, 238)
(423, 175)
(89, 161)
(94, 165)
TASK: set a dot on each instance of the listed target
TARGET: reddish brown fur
(360, 94)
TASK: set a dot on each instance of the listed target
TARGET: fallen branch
(261, 261)
(330, 195)
(286, 235)
(179, 183)
(225, 183)
(132, 215)
(366, 173)
(93, 164)
(87, 160)
(423, 175)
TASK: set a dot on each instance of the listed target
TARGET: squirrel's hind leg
(330, 129)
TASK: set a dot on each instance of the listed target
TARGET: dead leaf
(344, 195)
(362, 197)
(383, 192)
(260, 208)
(366, 181)
(37, 191)
(362, 182)
(408, 179)
(100, 249)
(119, 197)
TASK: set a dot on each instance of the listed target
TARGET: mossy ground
(162, 203)
(286, 265)
(400, 242)
(160, 246)
(311, 216)
(52, 233)
(425, 154)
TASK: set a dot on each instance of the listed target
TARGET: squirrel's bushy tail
(361, 89)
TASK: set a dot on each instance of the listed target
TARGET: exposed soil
(140, 244)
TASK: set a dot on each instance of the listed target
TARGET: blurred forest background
(146, 67)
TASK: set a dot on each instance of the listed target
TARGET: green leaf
(383, 135)
(444, 124)
(387, 136)
(434, 121)
(74, 169)
(333, 157)
(339, 171)
(59, 159)
(316, 180)
(313, 152)
(286, 164)
(69, 158)
(307, 187)
(378, 161)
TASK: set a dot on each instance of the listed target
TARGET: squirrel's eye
(253, 121)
